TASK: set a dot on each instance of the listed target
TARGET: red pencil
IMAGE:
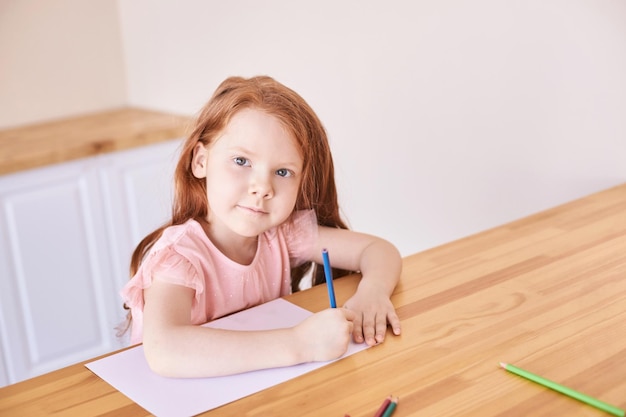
(383, 407)
(391, 407)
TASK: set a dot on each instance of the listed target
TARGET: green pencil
(601, 405)
(391, 407)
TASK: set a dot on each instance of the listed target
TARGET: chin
(250, 230)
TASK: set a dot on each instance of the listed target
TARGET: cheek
(293, 194)
(224, 180)
(217, 191)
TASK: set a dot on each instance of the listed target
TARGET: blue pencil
(329, 278)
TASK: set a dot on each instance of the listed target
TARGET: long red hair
(317, 189)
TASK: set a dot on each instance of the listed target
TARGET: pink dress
(184, 255)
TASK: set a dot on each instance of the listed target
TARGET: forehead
(254, 129)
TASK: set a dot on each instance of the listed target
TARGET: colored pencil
(383, 407)
(391, 407)
(601, 405)
(328, 272)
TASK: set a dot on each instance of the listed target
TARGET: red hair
(317, 188)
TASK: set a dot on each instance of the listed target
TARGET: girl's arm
(380, 264)
(176, 348)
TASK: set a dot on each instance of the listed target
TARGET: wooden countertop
(63, 140)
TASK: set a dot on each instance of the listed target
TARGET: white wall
(445, 117)
(59, 58)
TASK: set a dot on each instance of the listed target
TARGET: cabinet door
(56, 284)
(137, 188)
(4, 374)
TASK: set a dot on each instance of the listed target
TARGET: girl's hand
(373, 310)
(325, 335)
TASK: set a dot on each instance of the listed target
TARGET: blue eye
(241, 161)
(284, 173)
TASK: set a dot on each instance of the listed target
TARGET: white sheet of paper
(128, 371)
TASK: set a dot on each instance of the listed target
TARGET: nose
(261, 186)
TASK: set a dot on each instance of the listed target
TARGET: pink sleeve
(300, 235)
(171, 266)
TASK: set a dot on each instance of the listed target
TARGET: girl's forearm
(195, 351)
(381, 265)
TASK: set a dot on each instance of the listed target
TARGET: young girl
(255, 203)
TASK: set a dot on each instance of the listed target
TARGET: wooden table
(546, 293)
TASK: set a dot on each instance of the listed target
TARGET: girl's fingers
(394, 322)
(381, 328)
(369, 328)
(357, 328)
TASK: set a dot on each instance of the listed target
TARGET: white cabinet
(137, 189)
(66, 235)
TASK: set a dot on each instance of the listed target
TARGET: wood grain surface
(546, 293)
(83, 136)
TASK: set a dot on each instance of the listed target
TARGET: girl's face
(253, 171)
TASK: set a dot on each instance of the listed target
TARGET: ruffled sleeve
(300, 236)
(172, 267)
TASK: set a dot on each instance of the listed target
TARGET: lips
(254, 210)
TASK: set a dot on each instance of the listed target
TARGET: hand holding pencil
(325, 335)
